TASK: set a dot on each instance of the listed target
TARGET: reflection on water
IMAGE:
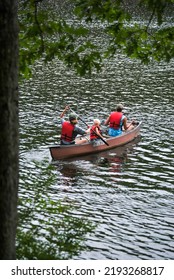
(113, 160)
(128, 191)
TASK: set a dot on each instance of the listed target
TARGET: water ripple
(127, 192)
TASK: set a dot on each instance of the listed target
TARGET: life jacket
(115, 120)
(92, 134)
(67, 131)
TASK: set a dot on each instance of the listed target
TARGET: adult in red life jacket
(70, 130)
(95, 131)
(118, 122)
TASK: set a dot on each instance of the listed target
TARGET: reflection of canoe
(69, 151)
(119, 153)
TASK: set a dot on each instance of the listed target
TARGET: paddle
(88, 126)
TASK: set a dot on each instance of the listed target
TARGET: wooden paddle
(88, 126)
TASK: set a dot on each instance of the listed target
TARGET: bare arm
(107, 121)
(97, 131)
(64, 111)
(126, 125)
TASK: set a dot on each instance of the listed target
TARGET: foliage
(150, 39)
(45, 33)
(47, 228)
(42, 33)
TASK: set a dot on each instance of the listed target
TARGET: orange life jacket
(92, 134)
(115, 120)
(67, 131)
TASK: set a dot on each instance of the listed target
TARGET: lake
(127, 192)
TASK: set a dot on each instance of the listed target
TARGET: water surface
(128, 192)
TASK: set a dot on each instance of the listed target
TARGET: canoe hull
(59, 152)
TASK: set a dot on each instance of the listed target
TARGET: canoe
(59, 152)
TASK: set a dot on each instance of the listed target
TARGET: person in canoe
(95, 131)
(70, 130)
(117, 122)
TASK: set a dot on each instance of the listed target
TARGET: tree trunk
(8, 127)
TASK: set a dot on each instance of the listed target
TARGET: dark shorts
(96, 142)
(62, 142)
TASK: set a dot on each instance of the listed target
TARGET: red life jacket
(115, 120)
(67, 131)
(92, 134)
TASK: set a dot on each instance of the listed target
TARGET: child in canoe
(95, 131)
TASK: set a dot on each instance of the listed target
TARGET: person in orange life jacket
(95, 130)
(70, 130)
(118, 122)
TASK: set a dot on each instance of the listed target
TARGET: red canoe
(68, 151)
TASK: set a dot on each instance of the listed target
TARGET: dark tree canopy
(141, 29)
